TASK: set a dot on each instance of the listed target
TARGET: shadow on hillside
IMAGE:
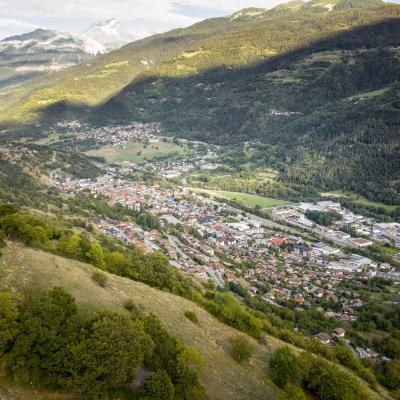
(383, 34)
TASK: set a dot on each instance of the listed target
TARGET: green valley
(211, 212)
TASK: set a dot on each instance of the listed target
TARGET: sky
(21, 16)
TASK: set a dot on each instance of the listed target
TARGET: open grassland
(267, 175)
(224, 378)
(363, 201)
(357, 199)
(249, 200)
(52, 138)
(366, 95)
(389, 250)
(138, 152)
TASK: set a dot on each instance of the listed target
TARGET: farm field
(249, 200)
(357, 199)
(139, 152)
(368, 203)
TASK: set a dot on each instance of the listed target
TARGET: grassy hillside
(224, 378)
(23, 268)
(13, 392)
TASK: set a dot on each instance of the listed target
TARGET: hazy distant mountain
(39, 52)
(105, 36)
(43, 51)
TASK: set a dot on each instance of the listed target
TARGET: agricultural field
(48, 140)
(357, 199)
(249, 200)
(139, 153)
(363, 201)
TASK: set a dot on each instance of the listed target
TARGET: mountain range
(44, 51)
(105, 36)
(313, 86)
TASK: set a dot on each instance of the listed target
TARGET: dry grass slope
(224, 378)
(8, 392)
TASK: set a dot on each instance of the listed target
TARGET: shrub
(285, 367)
(100, 279)
(241, 349)
(2, 239)
(330, 382)
(47, 327)
(293, 392)
(159, 387)
(190, 315)
(95, 255)
(324, 379)
(189, 366)
(391, 376)
(49, 344)
(130, 305)
(112, 350)
(8, 321)
(8, 209)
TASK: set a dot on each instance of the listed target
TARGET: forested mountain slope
(327, 108)
(313, 86)
(246, 37)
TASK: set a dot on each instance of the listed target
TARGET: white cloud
(160, 10)
(11, 26)
(164, 11)
(157, 14)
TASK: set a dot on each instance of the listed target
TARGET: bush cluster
(45, 341)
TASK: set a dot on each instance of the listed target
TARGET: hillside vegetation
(25, 270)
(241, 39)
(223, 378)
(27, 358)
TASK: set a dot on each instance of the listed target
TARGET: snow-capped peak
(42, 39)
(104, 36)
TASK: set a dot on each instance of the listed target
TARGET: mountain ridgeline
(314, 87)
(42, 51)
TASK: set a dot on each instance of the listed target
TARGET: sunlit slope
(242, 39)
(93, 82)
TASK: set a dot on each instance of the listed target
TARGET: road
(215, 275)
